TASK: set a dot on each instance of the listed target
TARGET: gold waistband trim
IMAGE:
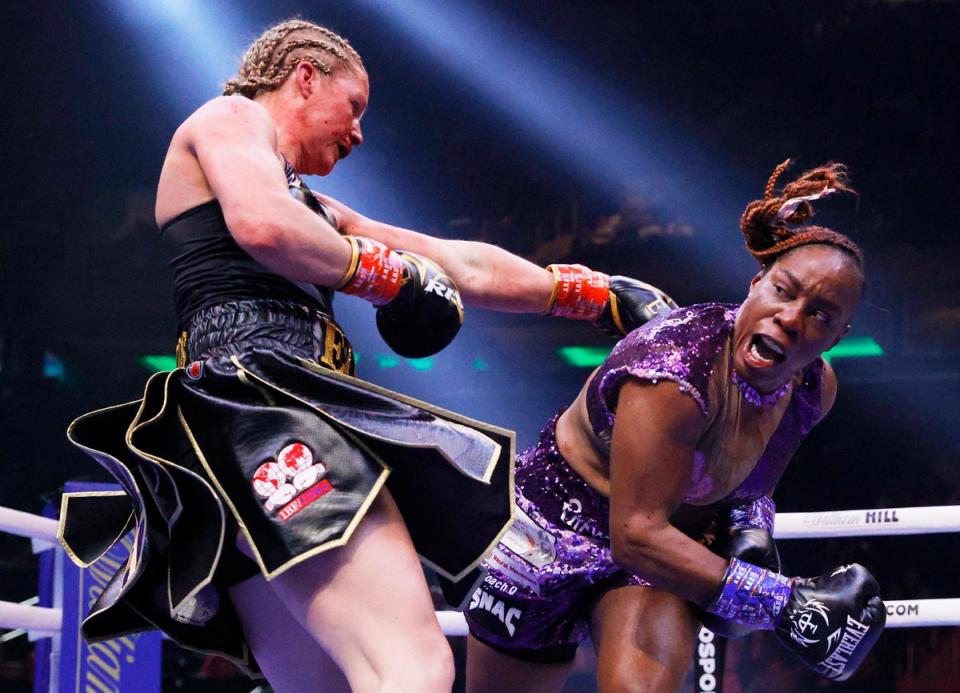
(337, 354)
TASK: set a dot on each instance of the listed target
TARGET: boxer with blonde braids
(279, 504)
(682, 434)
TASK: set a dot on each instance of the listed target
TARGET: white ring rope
(453, 623)
(907, 613)
(916, 613)
(835, 523)
(859, 523)
(910, 613)
(36, 619)
(26, 525)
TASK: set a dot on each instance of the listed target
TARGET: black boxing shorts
(257, 432)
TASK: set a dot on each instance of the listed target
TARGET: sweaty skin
(803, 304)
(231, 149)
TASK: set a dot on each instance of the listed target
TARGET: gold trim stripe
(136, 424)
(352, 267)
(555, 291)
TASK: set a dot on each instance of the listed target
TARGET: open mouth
(765, 352)
(342, 151)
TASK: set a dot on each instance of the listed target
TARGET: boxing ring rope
(933, 519)
(37, 620)
(908, 613)
(42, 530)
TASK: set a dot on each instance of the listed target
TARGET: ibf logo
(484, 601)
(291, 482)
(881, 516)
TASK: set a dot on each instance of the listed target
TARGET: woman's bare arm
(234, 141)
(487, 276)
(651, 457)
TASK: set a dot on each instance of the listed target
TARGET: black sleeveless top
(210, 268)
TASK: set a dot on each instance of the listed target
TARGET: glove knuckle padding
(832, 621)
(427, 313)
(632, 303)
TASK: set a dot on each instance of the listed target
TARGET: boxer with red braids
(279, 504)
(682, 434)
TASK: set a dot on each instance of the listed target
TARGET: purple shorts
(541, 582)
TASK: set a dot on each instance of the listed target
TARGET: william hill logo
(881, 516)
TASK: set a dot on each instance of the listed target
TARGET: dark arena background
(624, 135)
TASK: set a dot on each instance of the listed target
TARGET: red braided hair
(765, 227)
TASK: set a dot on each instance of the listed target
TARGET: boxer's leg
(492, 671)
(367, 604)
(290, 659)
(644, 639)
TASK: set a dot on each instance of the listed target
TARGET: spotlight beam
(585, 122)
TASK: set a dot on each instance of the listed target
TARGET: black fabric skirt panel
(449, 475)
(290, 453)
(138, 596)
(237, 426)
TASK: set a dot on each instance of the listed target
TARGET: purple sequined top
(690, 346)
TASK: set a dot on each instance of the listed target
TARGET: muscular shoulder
(660, 407)
(214, 152)
(229, 115)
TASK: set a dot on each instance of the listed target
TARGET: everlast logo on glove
(832, 621)
(849, 638)
(809, 622)
(807, 627)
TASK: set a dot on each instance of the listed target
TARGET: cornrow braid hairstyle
(765, 222)
(272, 57)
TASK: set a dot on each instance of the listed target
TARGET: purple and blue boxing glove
(830, 622)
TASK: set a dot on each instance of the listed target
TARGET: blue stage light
(590, 126)
(192, 46)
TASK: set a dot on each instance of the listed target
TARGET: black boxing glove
(617, 305)
(631, 304)
(419, 307)
(426, 313)
(419, 310)
(831, 622)
(748, 536)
